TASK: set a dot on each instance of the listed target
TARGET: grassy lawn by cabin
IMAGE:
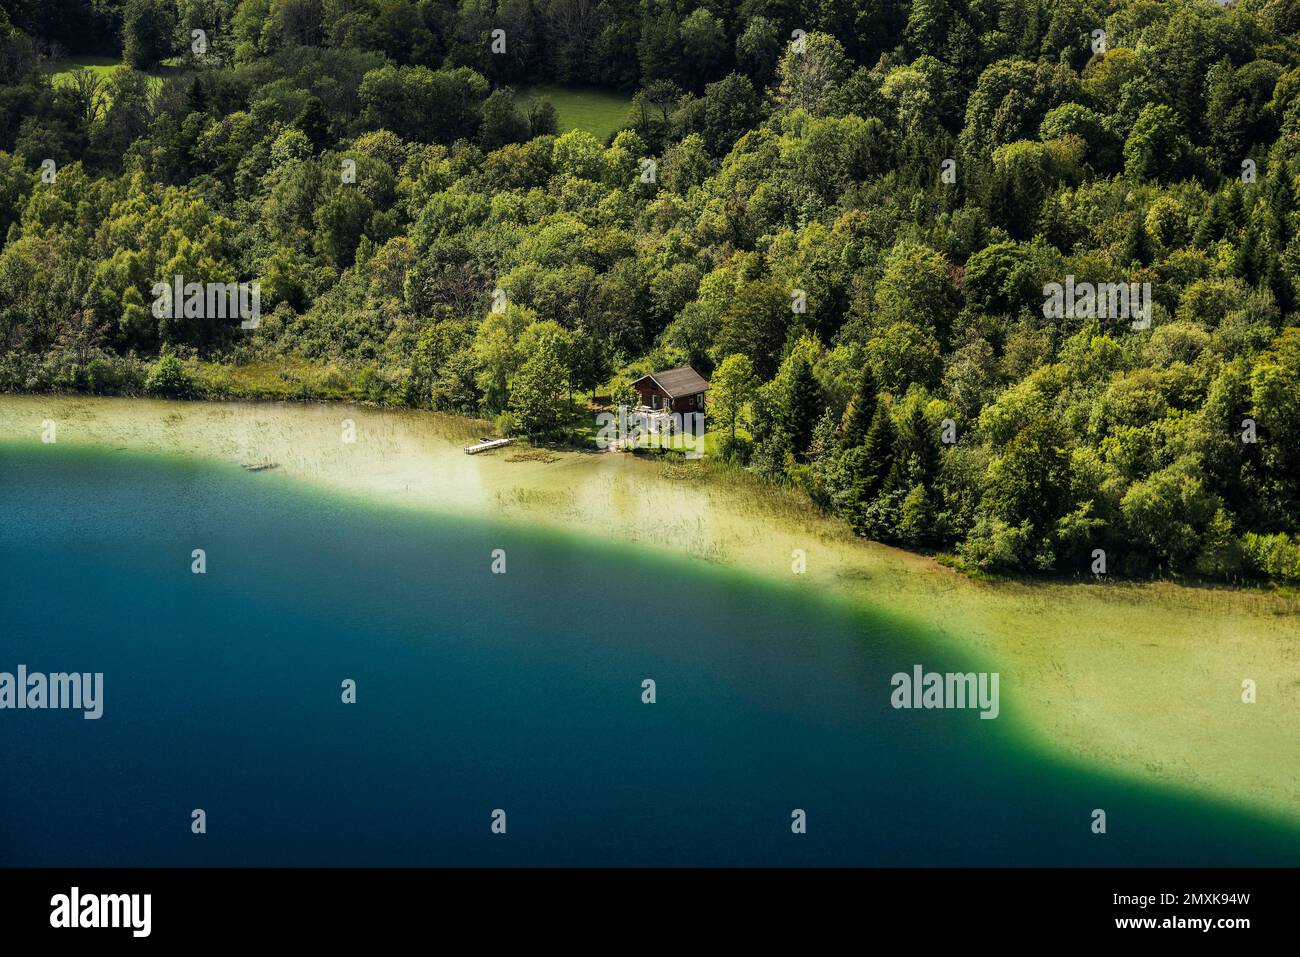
(582, 429)
(600, 112)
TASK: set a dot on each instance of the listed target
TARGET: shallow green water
(479, 691)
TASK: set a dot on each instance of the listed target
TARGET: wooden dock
(485, 444)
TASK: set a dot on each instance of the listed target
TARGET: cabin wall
(648, 389)
(682, 404)
(688, 403)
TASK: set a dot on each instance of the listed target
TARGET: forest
(847, 215)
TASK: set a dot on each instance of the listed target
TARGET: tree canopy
(849, 214)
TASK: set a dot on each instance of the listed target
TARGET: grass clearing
(599, 112)
(62, 69)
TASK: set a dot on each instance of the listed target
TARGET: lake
(479, 691)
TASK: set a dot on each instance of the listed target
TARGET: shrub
(170, 378)
(994, 543)
(1276, 556)
(101, 378)
(507, 424)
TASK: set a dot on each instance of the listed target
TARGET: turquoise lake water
(479, 691)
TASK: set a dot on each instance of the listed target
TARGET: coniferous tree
(803, 406)
(864, 469)
(1137, 244)
(861, 410)
(915, 452)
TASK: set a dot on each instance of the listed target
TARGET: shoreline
(1139, 677)
(1262, 587)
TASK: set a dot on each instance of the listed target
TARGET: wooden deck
(485, 444)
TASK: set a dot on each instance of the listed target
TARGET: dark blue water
(479, 691)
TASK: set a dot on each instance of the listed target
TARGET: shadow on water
(477, 691)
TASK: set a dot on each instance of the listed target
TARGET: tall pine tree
(916, 453)
(862, 407)
(803, 406)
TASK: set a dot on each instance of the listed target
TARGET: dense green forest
(847, 214)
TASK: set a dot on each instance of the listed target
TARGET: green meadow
(62, 69)
(599, 112)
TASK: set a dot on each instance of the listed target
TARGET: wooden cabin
(673, 390)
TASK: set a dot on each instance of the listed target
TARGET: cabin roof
(678, 382)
